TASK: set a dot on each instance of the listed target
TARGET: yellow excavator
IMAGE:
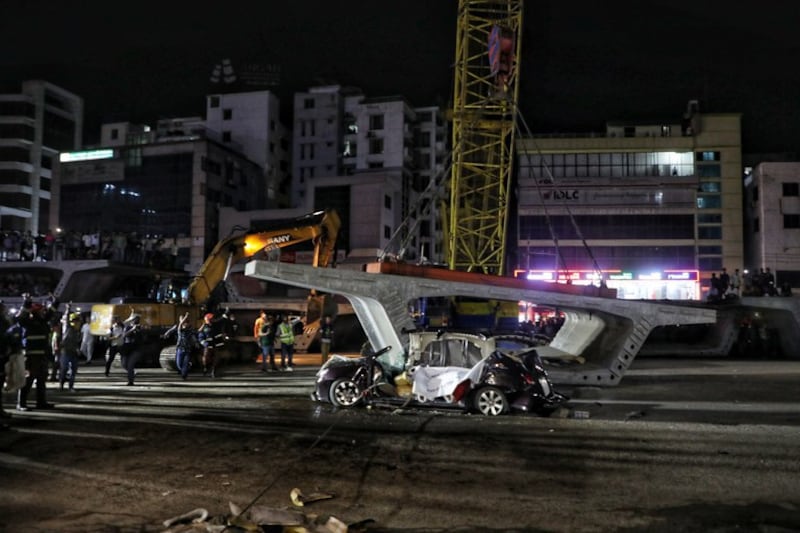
(320, 227)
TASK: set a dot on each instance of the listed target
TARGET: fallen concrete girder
(598, 342)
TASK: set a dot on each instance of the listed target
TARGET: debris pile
(262, 519)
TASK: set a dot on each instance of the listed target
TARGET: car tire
(490, 401)
(345, 392)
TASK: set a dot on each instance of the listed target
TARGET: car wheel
(345, 392)
(490, 401)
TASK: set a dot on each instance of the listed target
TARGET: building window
(114, 134)
(791, 189)
(375, 164)
(226, 136)
(307, 151)
(387, 232)
(376, 146)
(709, 171)
(709, 250)
(756, 225)
(709, 232)
(308, 103)
(227, 114)
(791, 221)
(387, 201)
(710, 201)
(350, 149)
(709, 219)
(213, 101)
(709, 263)
(376, 122)
(710, 186)
(708, 156)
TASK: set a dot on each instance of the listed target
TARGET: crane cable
(551, 178)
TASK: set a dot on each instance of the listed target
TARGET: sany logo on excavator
(274, 242)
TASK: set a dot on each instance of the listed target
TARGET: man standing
(34, 332)
(187, 340)
(326, 337)
(264, 332)
(131, 339)
(87, 341)
(736, 283)
(206, 336)
(114, 342)
(68, 351)
(286, 336)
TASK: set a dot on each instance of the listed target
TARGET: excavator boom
(320, 227)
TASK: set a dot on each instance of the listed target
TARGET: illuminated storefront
(630, 285)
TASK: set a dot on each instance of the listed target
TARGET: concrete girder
(598, 342)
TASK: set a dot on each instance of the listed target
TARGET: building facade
(772, 221)
(35, 125)
(173, 189)
(250, 123)
(340, 132)
(652, 209)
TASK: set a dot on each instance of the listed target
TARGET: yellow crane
(485, 96)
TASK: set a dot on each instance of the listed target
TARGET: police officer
(34, 330)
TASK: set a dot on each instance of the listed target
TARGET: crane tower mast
(484, 111)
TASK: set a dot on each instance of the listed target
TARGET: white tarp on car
(431, 382)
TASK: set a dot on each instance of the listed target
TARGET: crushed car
(446, 369)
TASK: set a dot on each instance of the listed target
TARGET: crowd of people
(152, 250)
(270, 330)
(735, 285)
(44, 344)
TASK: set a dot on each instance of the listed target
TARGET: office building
(170, 188)
(653, 209)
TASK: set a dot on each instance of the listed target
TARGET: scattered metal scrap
(263, 519)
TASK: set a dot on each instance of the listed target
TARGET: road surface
(679, 445)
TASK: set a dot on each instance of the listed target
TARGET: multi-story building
(35, 125)
(654, 208)
(170, 188)
(772, 221)
(250, 123)
(339, 132)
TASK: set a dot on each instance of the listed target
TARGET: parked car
(443, 369)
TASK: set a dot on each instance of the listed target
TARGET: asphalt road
(678, 445)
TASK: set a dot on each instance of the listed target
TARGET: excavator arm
(320, 227)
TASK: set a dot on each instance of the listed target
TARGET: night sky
(584, 61)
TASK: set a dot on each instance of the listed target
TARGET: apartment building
(772, 220)
(340, 132)
(35, 125)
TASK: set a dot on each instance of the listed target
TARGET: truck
(199, 296)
